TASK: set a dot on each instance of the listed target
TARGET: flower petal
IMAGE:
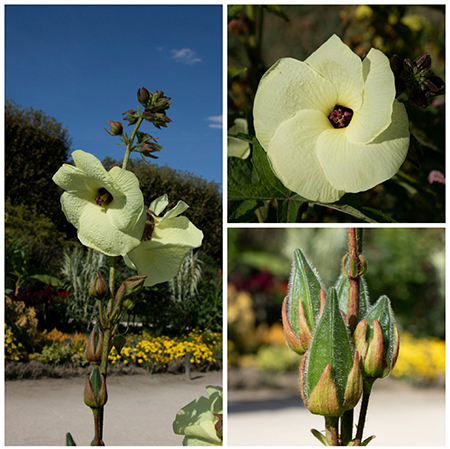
(336, 62)
(379, 92)
(94, 230)
(292, 154)
(126, 210)
(158, 205)
(357, 167)
(161, 257)
(95, 171)
(286, 88)
(177, 210)
(238, 147)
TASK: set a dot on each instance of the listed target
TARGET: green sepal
(320, 436)
(382, 312)
(95, 380)
(382, 340)
(305, 285)
(329, 361)
(330, 345)
(69, 440)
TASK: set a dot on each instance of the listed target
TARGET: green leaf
(197, 420)
(233, 72)
(69, 440)
(47, 279)
(239, 172)
(265, 174)
(320, 436)
(367, 440)
(243, 211)
(288, 210)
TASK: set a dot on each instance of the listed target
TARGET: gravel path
(140, 409)
(399, 415)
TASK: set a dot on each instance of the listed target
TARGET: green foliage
(276, 359)
(35, 147)
(204, 198)
(53, 354)
(78, 269)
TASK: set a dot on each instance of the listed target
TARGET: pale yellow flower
(169, 238)
(331, 124)
(106, 208)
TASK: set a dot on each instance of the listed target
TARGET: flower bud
(377, 340)
(143, 96)
(130, 286)
(330, 373)
(416, 79)
(302, 306)
(95, 393)
(98, 288)
(116, 128)
(94, 346)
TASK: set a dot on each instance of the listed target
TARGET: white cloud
(216, 121)
(185, 56)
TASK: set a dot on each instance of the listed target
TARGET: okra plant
(107, 209)
(345, 342)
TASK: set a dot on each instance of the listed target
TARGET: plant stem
(353, 277)
(130, 143)
(367, 388)
(331, 430)
(346, 427)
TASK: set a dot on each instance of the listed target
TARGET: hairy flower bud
(98, 288)
(143, 96)
(302, 306)
(94, 346)
(129, 287)
(377, 340)
(330, 373)
(116, 128)
(95, 393)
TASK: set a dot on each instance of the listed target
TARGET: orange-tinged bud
(94, 346)
(98, 288)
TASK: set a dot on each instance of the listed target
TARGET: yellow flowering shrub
(13, 350)
(150, 351)
(420, 359)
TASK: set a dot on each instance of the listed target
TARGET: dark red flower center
(340, 116)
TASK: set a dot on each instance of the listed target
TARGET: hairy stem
(346, 427)
(331, 430)
(130, 143)
(367, 388)
(353, 277)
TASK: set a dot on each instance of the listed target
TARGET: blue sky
(83, 65)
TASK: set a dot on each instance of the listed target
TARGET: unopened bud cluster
(416, 79)
(335, 362)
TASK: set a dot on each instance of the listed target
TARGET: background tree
(35, 147)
